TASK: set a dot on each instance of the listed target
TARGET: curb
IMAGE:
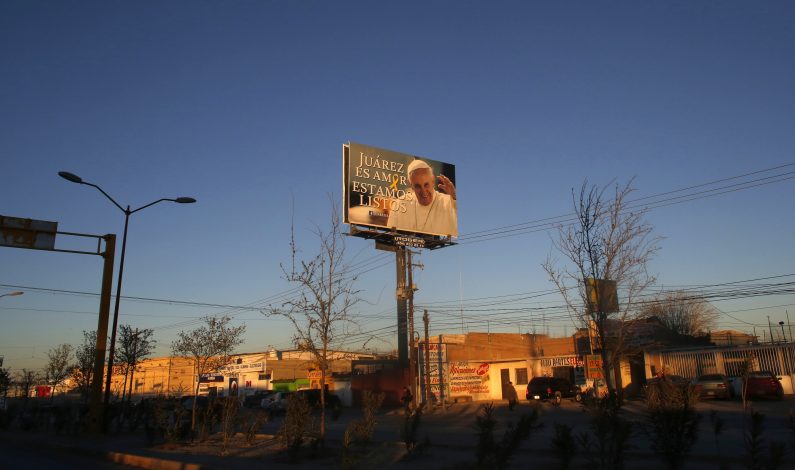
(151, 463)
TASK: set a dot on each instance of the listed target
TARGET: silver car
(276, 402)
(714, 386)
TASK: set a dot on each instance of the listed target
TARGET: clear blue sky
(245, 105)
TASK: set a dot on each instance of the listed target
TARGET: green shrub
(295, 425)
(672, 422)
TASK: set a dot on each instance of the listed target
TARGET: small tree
(319, 313)
(83, 369)
(134, 345)
(209, 347)
(672, 421)
(607, 241)
(59, 361)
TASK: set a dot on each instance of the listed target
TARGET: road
(451, 432)
(19, 456)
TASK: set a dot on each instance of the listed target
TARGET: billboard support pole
(402, 310)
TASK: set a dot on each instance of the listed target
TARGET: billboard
(398, 192)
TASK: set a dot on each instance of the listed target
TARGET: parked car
(205, 406)
(313, 398)
(673, 379)
(544, 388)
(276, 402)
(255, 400)
(714, 386)
(763, 384)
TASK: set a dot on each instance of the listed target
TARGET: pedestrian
(406, 398)
(513, 397)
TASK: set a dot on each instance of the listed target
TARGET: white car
(276, 402)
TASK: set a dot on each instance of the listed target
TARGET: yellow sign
(593, 367)
(602, 295)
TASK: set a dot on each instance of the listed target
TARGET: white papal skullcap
(417, 164)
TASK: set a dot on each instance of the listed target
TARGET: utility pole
(771, 329)
(425, 320)
(412, 356)
(401, 296)
(789, 326)
(97, 412)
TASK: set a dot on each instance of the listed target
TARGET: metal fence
(776, 358)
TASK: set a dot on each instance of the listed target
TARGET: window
(521, 376)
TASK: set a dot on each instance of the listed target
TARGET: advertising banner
(469, 378)
(439, 377)
(594, 367)
(396, 191)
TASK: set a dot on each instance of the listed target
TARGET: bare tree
(25, 380)
(134, 345)
(682, 313)
(209, 347)
(608, 241)
(59, 361)
(5, 381)
(83, 369)
(320, 311)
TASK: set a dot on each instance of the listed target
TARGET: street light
(781, 324)
(12, 294)
(127, 212)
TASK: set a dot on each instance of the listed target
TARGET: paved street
(451, 432)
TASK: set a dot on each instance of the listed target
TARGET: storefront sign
(205, 378)
(251, 366)
(564, 361)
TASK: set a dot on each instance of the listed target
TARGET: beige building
(478, 366)
(244, 375)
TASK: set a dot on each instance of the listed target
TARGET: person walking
(513, 397)
(406, 398)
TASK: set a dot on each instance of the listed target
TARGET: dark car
(544, 388)
(276, 402)
(714, 386)
(763, 384)
(255, 400)
(313, 398)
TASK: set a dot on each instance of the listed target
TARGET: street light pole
(112, 350)
(127, 212)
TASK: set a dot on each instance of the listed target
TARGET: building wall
(157, 376)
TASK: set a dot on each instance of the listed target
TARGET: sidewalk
(450, 433)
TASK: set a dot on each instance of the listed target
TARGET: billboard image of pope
(431, 203)
(399, 192)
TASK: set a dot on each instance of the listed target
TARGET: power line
(566, 219)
